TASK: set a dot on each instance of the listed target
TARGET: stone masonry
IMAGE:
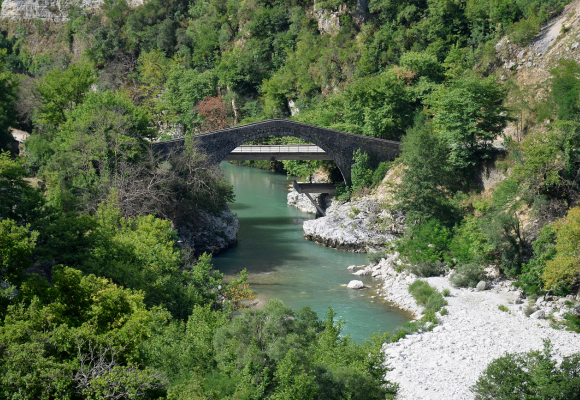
(339, 145)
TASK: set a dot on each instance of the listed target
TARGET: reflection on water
(283, 265)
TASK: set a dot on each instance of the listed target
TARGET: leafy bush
(443, 311)
(380, 173)
(467, 275)
(469, 242)
(544, 250)
(563, 269)
(426, 269)
(361, 171)
(503, 308)
(427, 296)
(427, 242)
(375, 258)
(446, 292)
(504, 233)
(531, 375)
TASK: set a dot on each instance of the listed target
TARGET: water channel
(285, 266)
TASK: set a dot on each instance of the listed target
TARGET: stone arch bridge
(339, 146)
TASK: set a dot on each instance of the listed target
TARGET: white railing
(270, 149)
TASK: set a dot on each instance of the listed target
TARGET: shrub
(362, 173)
(469, 243)
(467, 275)
(426, 242)
(544, 250)
(573, 322)
(443, 311)
(375, 258)
(426, 269)
(563, 269)
(503, 308)
(380, 173)
(531, 375)
(446, 292)
(428, 297)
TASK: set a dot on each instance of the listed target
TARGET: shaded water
(299, 272)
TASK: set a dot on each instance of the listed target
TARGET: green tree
(16, 245)
(565, 91)
(427, 178)
(60, 91)
(468, 115)
(563, 269)
(8, 91)
(76, 338)
(532, 375)
(18, 199)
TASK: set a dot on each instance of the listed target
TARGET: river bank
(445, 362)
(281, 264)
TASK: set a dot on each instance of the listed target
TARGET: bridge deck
(278, 152)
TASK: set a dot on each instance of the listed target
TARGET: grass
(432, 300)
(503, 308)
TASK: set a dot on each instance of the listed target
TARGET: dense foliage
(94, 283)
(532, 375)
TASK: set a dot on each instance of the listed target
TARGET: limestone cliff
(49, 10)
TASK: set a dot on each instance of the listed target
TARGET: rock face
(301, 202)
(358, 226)
(50, 10)
(212, 233)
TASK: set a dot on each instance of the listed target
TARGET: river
(281, 264)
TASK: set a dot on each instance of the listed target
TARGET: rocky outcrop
(49, 10)
(361, 226)
(212, 233)
(301, 202)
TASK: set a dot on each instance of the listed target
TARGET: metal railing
(281, 149)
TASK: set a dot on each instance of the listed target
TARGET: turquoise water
(285, 266)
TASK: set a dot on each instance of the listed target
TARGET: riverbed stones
(362, 272)
(446, 362)
(482, 285)
(355, 285)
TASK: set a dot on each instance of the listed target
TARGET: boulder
(576, 311)
(540, 314)
(355, 285)
(362, 272)
(351, 267)
(482, 285)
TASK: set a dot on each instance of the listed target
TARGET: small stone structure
(339, 145)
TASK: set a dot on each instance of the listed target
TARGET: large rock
(355, 285)
(212, 233)
(482, 285)
(358, 226)
(540, 314)
(301, 202)
(362, 272)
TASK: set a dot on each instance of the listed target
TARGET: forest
(98, 297)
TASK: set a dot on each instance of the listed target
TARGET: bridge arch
(338, 145)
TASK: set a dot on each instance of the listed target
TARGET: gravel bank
(446, 362)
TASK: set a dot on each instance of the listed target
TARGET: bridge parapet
(340, 146)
